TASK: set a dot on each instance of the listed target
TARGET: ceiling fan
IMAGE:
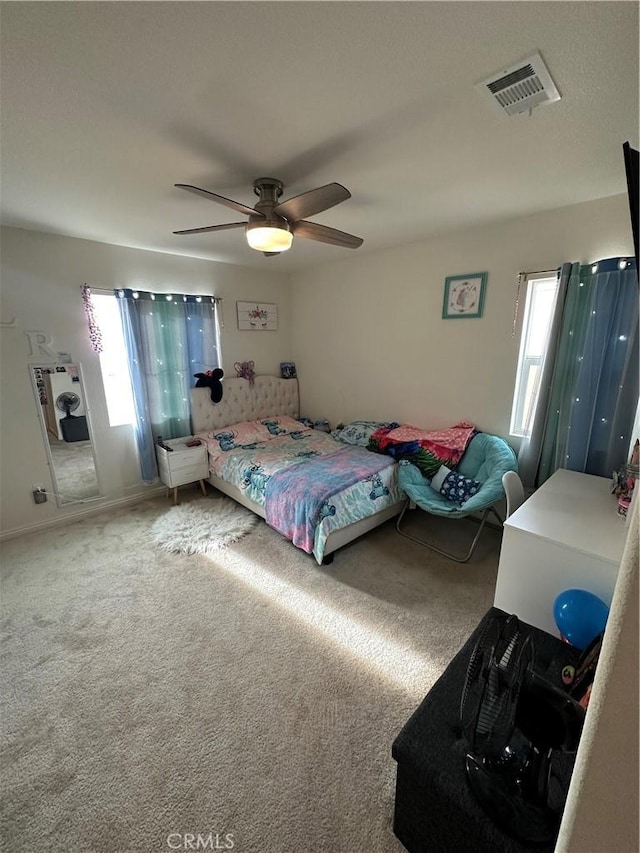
(273, 223)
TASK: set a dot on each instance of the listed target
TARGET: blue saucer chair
(486, 460)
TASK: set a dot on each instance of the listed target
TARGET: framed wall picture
(257, 316)
(464, 295)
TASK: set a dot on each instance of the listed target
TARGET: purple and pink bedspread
(427, 450)
(296, 498)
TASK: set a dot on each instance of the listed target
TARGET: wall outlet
(39, 494)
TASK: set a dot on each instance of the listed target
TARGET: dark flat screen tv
(633, 177)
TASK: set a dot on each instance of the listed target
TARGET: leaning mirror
(64, 419)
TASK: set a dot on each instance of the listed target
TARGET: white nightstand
(182, 465)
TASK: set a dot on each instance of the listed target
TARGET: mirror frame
(33, 366)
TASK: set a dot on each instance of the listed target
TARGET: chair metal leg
(450, 556)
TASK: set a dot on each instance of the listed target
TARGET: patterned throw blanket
(426, 450)
(297, 499)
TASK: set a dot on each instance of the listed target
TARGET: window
(536, 325)
(113, 360)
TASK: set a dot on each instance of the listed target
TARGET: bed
(263, 458)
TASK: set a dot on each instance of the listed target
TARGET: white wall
(41, 279)
(368, 337)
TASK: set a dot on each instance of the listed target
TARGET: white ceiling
(105, 106)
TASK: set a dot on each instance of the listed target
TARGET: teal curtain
(169, 338)
(593, 393)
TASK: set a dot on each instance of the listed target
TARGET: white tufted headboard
(269, 395)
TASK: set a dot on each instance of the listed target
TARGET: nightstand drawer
(177, 461)
(186, 474)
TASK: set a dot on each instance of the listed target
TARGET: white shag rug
(202, 527)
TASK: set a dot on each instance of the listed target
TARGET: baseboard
(75, 516)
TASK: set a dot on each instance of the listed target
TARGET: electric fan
(512, 720)
(67, 402)
(73, 427)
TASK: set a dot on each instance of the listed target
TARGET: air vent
(521, 88)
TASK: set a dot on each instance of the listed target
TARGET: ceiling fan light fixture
(273, 223)
(269, 238)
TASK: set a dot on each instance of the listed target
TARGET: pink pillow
(243, 433)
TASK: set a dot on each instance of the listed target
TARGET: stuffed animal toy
(211, 379)
(244, 370)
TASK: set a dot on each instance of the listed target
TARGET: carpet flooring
(249, 697)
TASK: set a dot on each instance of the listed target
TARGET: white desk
(568, 535)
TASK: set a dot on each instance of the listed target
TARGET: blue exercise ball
(580, 616)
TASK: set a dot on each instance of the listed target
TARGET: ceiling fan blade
(228, 202)
(323, 234)
(212, 228)
(312, 202)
